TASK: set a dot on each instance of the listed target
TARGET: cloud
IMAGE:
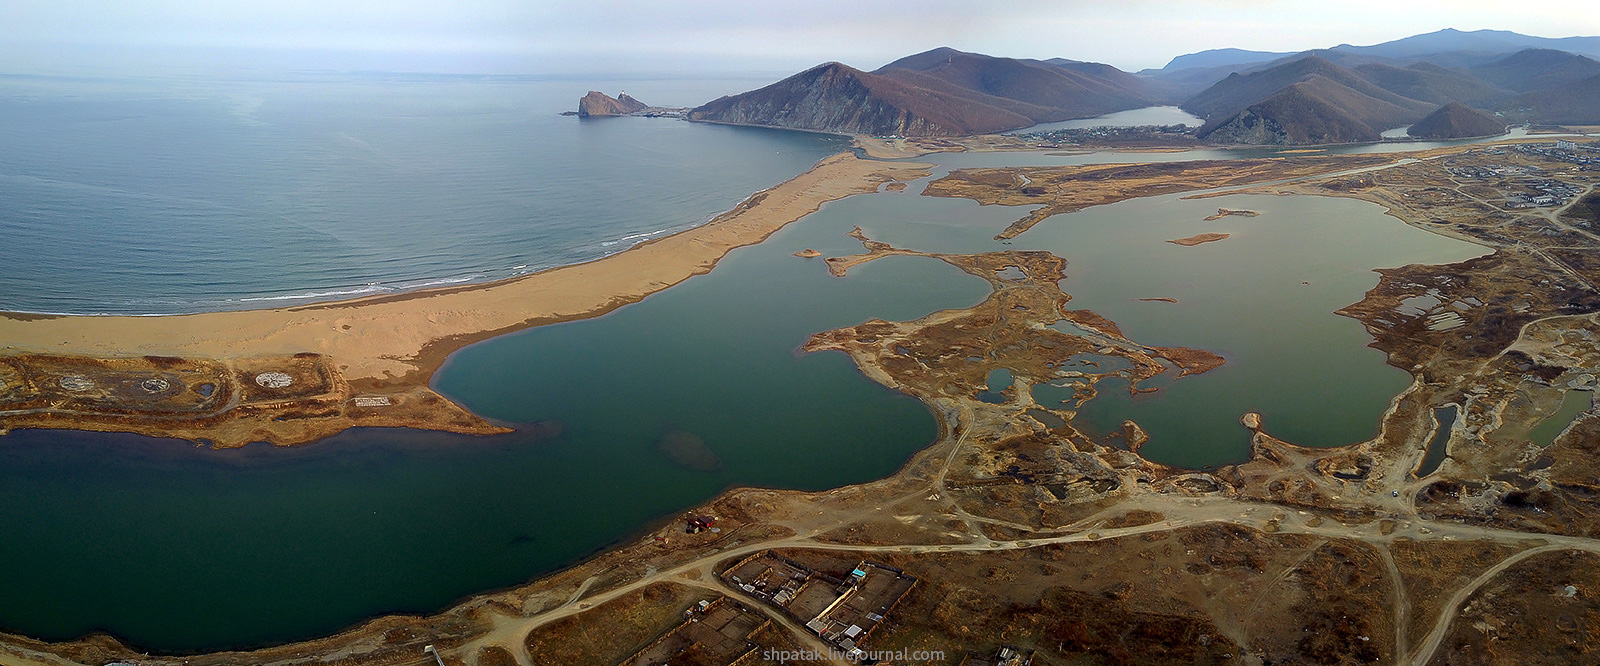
(580, 35)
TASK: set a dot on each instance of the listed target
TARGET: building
(843, 612)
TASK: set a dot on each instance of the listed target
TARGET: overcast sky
(626, 36)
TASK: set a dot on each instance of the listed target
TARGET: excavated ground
(282, 399)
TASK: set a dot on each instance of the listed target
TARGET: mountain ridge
(1340, 94)
(940, 92)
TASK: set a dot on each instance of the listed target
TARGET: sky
(666, 36)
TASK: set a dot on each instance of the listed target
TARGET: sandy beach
(406, 336)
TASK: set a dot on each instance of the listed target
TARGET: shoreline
(393, 343)
(273, 330)
(500, 622)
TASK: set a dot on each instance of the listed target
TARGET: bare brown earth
(1057, 190)
(1226, 212)
(1198, 239)
(1024, 531)
(1544, 609)
(384, 347)
(220, 401)
(905, 147)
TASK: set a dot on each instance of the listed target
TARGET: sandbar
(397, 341)
(1225, 212)
(1198, 239)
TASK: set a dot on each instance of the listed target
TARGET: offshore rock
(597, 103)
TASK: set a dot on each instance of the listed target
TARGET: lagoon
(181, 549)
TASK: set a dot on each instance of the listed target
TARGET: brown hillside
(1537, 69)
(837, 98)
(1306, 113)
(1456, 121)
(935, 93)
(1432, 84)
(1060, 89)
(1576, 104)
(597, 103)
(1231, 95)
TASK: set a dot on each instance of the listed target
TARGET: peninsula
(1020, 533)
(1463, 530)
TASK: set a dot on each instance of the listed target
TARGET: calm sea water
(181, 196)
(331, 184)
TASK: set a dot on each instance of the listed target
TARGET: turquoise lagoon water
(1264, 299)
(155, 197)
(177, 548)
(279, 192)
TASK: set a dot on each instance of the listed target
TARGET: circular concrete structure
(76, 383)
(274, 380)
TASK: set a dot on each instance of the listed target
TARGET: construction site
(221, 403)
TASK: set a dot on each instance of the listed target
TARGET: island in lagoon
(1033, 526)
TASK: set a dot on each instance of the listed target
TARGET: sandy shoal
(407, 335)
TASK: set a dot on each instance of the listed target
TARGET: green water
(1263, 298)
(718, 357)
(176, 548)
(999, 379)
(180, 549)
(1438, 445)
(1572, 404)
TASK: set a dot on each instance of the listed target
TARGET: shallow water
(1573, 403)
(1439, 444)
(185, 549)
(1150, 115)
(182, 549)
(1264, 299)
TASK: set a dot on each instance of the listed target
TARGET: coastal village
(841, 610)
(1464, 530)
(1526, 186)
(1044, 503)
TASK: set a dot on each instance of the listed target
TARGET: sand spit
(396, 342)
(1198, 239)
(1092, 535)
(1225, 212)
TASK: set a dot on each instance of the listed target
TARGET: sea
(184, 194)
(179, 194)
